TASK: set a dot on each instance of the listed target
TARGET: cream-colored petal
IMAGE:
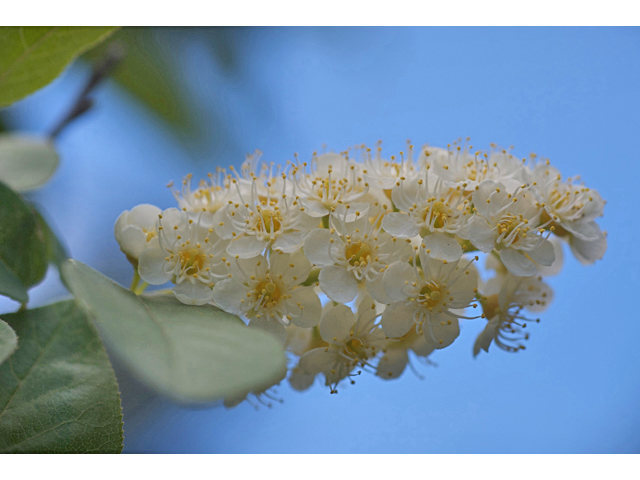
(517, 263)
(336, 324)
(289, 242)
(152, 265)
(338, 284)
(544, 254)
(486, 336)
(441, 330)
(316, 247)
(193, 293)
(398, 319)
(316, 360)
(442, 247)
(231, 296)
(144, 216)
(132, 240)
(299, 380)
(481, 234)
(392, 364)
(397, 280)
(588, 252)
(247, 246)
(307, 302)
(400, 225)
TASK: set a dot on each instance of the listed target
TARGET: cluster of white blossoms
(353, 260)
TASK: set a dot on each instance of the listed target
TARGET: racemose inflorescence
(353, 260)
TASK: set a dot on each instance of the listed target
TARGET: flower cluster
(353, 260)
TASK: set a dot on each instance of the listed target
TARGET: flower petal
(144, 216)
(151, 266)
(544, 254)
(316, 361)
(396, 278)
(308, 303)
(486, 336)
(196, 293)
(289, 242)
(132, 240)
(247, 246)
(517, 263)
(589, 251)
(443, 247)
(392, 364)
(316, 247)
(231, 296)
(336, 324)
(481, 234)
(397, 319)
(441, 331)
(400, 225)
(338, 284)
(299, 380)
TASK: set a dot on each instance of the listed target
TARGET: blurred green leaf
(11, 286)
(191, 354)
(8, 341)
(31, 57)
(148, 73)
(58, 392)
(56, 251)
(25, 162)
(23, 246)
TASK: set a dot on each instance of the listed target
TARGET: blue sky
(568, 94)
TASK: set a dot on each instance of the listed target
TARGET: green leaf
(31, 57)
(56, 251)
(26, 163)
(8, 341)
(191, 354)
(58, 392)
(22, 242)
(11, 286)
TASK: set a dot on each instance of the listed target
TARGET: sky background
(568, 94)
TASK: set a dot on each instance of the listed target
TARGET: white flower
(458, 166)
(134, 229)
(384, 174)
(431, 209)
(332, 179)
(426, 297)
(571, 210)
(210, 196)
(186, 253)
(256, 222)
(268, 292)
(503, 301)
(510, 223)
(352, 340)
(352, 252)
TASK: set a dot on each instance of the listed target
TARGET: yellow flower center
(269, 291)
(430, 295)
(438, 213)
(358, 254)
(150, 234)
(507, 225)
(355, 348)
(192, 260)
(270, 221)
